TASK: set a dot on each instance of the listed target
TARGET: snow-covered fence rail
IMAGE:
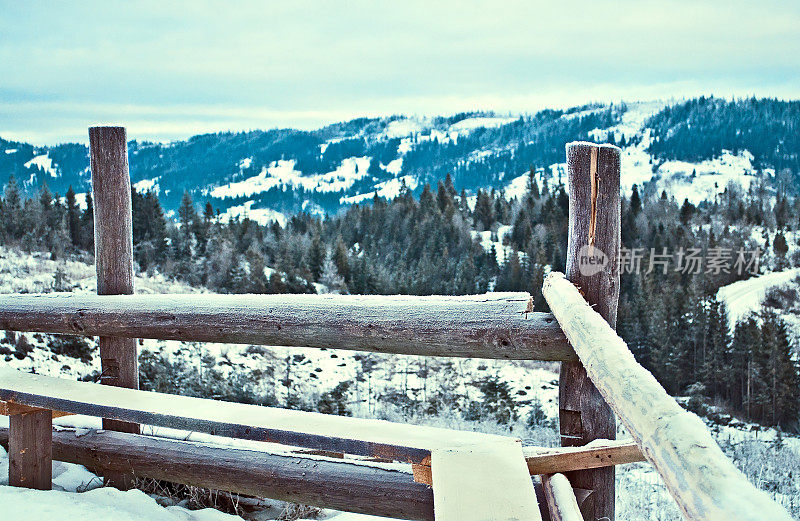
(364, 487)
(702, 480)
(481, 326)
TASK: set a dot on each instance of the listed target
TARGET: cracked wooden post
(113, 239)
(30, 442)
(592, 251)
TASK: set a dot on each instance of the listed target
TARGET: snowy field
(409, 389)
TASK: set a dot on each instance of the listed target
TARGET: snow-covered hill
(270, 174)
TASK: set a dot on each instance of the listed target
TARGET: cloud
(178, 69)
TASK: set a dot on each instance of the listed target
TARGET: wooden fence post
(592, 251)
(113, 239)
(30, 448)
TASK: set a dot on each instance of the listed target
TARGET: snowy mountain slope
(745, 296)
(267, 174)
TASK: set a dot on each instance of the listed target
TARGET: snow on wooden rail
(364, 437)
(702, 480)
(481, 326)
(502, 491)
(344, 484)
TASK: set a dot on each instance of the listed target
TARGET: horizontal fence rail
(702, 480)
(359, 436)
(479, 326)
(366, 489)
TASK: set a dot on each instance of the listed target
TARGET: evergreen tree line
(422, 245)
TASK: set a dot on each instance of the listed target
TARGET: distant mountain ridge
(691, 149)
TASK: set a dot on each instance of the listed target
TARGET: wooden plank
(378, 490)
(11, 408)
(378, 438)
(592, 250)
(551, 461)
(705, 484)
(544, 460)
(481, 326)
(561, 499)
(30, 450)
(113, 243)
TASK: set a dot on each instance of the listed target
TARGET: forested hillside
(702, 128)
(692, 149)
(444, 242)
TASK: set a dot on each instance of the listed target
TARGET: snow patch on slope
(283, 173)
(44, 162)
(387, 189)
(705, 180)
(262, 216)
(470, 124)
(503, 251)
(147, 185)
(404, 127)
(744, 296)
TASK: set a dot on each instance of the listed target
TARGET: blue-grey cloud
(170, 70)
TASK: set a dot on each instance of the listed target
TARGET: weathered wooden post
(113, 240)
(592, 252)
(30, 447)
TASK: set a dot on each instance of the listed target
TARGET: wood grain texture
(551, 461)
(594, 219)
(330, 483)
(30, 450)
(545, 460)
(113, 242)
(705, 484)
(561, 501)
(11, 408)
(480, 326)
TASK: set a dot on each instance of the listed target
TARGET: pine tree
(12, 210)
(484, 211)
(316, 257)
(87, 224)
(341, 259)
(636, 201)
(187, 217)
(73, 218)
(783, 378)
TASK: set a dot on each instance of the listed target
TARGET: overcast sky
(169, 72)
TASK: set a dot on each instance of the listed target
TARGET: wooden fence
(598, 378)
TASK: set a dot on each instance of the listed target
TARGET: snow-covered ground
(745, 296)
(262, 216)
(377, 383)
(496, 239)
(387, 189)
(44, 162)
(283, 173)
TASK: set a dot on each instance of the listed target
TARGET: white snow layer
(387, 189)
(98, 504)
(260, 215)
(482, 482)
(283, 173)
(470, 124)
(44, 162)
(744, 296)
